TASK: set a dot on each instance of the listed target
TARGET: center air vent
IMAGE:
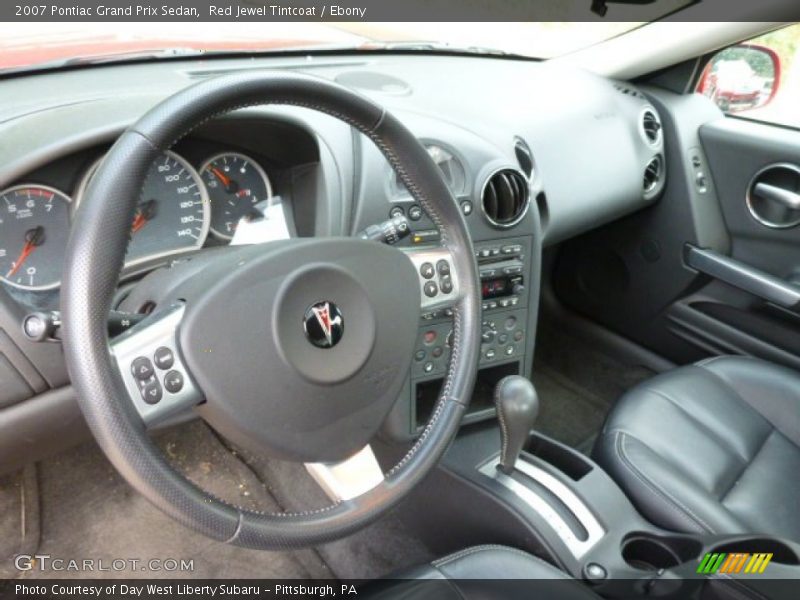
(505, 198)
(651, 126)
(652, 175)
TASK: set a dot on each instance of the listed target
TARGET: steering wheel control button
(437, 352)
(446, 284)
(173, 382)
(164, 358)
(428, 367)
(415, 213)
(420, 355)
(142, 368)
(397, 211)
(426, 270)
(323, 324)
(443, 267)
(431, 289)
(151, 392)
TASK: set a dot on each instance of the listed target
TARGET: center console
(505, 272)
(508, 269)
(507, 485)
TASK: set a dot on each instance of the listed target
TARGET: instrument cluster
(180, 209)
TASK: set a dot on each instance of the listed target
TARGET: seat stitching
(652, 485)
(735, 392)
(557, 572)
(501, 418)
(449, 582)
(744, 400)
(694, 419)
(489, 547)
(483, 548)
(744, 469)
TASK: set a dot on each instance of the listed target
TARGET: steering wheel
(295, 349)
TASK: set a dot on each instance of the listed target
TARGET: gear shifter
(517, 408)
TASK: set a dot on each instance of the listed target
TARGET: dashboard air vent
(651, 126)
(505, 198)
(524, 157)
(652, 174)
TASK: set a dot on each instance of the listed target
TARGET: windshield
(24, 45)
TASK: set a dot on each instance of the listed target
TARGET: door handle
(733, 272)
(778, 194)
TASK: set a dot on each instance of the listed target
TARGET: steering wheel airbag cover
(95, 256)
(267, 387)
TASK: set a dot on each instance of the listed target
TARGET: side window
(758, 79)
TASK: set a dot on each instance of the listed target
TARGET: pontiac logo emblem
(323, 324)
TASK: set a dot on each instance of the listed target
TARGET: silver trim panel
(433, 255)
(143, 339)
(349, 478)
(523, 213)
(753, 189)
(577, 547)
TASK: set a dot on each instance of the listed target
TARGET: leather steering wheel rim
(94, 259)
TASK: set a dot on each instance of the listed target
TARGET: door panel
(634, 278)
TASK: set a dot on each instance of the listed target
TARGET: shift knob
(517, 408)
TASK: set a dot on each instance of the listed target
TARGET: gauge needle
(33, 238)
(230, 185)
(144, 213)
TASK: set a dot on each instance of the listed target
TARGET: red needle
(138, 222)
(145, 212)
(226, 181)
(33, 237)
(26, 251)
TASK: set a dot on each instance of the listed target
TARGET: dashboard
(194, 197)
(533, 154)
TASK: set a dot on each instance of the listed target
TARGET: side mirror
(742, 77)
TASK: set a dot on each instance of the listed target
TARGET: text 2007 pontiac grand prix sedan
(343, 302)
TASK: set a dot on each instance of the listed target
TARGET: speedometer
(34, 227)
(173, 213)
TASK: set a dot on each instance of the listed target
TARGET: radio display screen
(492, 288)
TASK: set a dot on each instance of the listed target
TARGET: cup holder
(651, 553)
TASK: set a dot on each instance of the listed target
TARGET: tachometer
(173, 213)
(235, 184)
(34, 228)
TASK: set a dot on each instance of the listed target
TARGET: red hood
(22, 55)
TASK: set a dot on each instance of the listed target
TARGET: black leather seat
(476, 574)
(713, 447)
